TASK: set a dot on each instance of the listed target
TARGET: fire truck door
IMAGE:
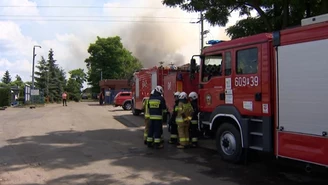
(212, 83)
(247, 89)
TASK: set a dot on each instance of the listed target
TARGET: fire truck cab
(268, 92)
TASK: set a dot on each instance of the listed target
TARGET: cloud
(162, 33)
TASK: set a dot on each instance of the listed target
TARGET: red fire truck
(146, 80)
(268, 92)
(170, 79)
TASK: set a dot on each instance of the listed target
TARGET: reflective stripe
(149, 139)
(157, 140)
(155, 117)
(146, 108)
(174, 136)
(187, 118)
(194, 121)
(154, 103)
(194, 139)
(176, 108)
(178, 120)
(183, 139)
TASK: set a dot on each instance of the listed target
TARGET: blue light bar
(212, 42)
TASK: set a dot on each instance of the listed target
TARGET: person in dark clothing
(172, 124)
(156, 107)
(194, 120)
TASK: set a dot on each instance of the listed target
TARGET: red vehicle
(123, 99)
(178, 81)
(268, 92)
(145, 80)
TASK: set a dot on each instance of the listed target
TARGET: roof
(263, 37)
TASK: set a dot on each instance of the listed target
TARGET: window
(247, 61)
(125, 94)
(227, 63)
(211, 67)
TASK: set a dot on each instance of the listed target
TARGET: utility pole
(201, 31)
(33, 64)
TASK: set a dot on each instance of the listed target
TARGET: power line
(77, 16)
(95, 7)
(95, 20)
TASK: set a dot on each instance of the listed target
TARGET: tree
(18, 82)
(6, 78)
(109, 58)
(272, 14)
(79, 76)
(56, 79)
(41, 75)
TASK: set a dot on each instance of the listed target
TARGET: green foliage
(4, 96)
(79, 76)
(18, 82)
(50, 78)
(75, 83)
(272, 14)
(6, 78)
(109, 57)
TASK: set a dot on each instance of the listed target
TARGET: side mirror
(193, 65)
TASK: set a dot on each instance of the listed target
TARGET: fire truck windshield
(211, 66)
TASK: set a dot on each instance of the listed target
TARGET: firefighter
(146, 113)
(172, 124)
(194, 120)
(156, 106)
(183, 119)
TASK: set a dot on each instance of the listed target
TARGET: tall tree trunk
(285, 20)
(324, 7)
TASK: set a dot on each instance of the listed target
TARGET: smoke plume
(152, 43)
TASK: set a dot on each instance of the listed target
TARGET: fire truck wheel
(127, 105)
(228, 143)
(135, 112)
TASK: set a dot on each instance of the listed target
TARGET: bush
(4, 97)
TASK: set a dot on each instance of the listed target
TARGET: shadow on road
(73, 149)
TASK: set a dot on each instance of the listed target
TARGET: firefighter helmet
(159, 89)
(182, 96)
(176, 93)
(193, 95)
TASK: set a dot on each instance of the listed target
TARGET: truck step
(256, 148)
(256, 120)
(256, 133)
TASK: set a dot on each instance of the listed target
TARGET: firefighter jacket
(146, 110)
(194, 119)
(184, 112)
(157, 107)
(174, 113)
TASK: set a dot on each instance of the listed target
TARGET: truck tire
(127, 105)
(135, 112)
(228, 143)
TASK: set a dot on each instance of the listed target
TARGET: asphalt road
(84, 143)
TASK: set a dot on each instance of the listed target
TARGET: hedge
(4, 96)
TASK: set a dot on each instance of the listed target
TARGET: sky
(150, 30)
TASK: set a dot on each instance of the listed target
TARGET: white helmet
(176, 93)
(182, 96)
(152, 92)
(159, 89)
(193, 95)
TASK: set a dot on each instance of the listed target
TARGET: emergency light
(212, 42)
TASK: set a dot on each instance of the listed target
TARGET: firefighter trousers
(154, 132)
(146, 128)
(183, 131)
(194, 132)
(174, 133)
